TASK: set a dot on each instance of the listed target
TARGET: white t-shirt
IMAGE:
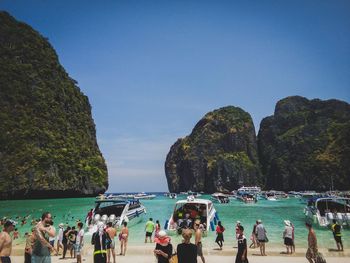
(80, 236)
(60, 235)
(288, 232)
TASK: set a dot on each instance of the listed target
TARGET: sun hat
(238, 222)
(287, 222)
(162, 238)
(61, 225)
(259, 221)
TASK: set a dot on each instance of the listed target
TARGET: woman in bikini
(123, 237)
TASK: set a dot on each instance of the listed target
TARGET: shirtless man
(198, 239)
(112, 232)
(42, 247)
(6, 241)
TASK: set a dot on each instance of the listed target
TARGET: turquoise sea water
(272, 213)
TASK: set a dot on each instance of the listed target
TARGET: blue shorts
(77, 249)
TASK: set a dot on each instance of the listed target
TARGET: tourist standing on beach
(65, 242)
(123, 237)
(241, 256)
(336, 229)
(99, 240)
(262, 237)
(42, 247)
(220, 235)
(149, 228)
(112, 232)
(72, 237)
(59, 238)
(253, 237)
(6, 241)
(288, 236)
(186, 251)
(164, 249)
(79, 243)
(198, 239)
(157, 229)
(238, 223)
(312, 244)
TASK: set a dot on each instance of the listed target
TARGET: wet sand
(144, 253)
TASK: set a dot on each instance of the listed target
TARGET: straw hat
(259, 221)
(162, 238)
(61, 225)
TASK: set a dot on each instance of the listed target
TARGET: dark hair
(80, 224)
(109, 224)
(240, 228)
(15, 229)
(73, 227)
(151, 219)
(125, 223)
(44, 215)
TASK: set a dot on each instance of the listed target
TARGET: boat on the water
(135, 196)
(220, 198)
(172, 195)
(248, 197)
(249, 189)
(187, 211)
(323, 210)
(275, 195)
(115, 211)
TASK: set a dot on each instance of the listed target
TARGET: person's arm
(244, 255)
(51, 231)
(93, 239)
(41, 238)
(2, 241)
(196, 238)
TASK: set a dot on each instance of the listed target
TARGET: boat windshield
(332, 206)
(191, 212)
(110, 208)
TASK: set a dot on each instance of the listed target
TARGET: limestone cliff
(48, 142)
(219, 155)
(306, 145)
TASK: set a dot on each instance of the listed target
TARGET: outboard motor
(104, 219)
(97, 218)
(112, 218)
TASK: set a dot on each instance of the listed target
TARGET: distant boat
(138, 196)
(220, 198)
(248, 198)
(115, 211)
(187, 211)
(172, 195)
(275, 195)
(323, 210)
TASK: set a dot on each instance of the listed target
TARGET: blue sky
(152, 69)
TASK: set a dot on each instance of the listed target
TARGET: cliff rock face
(306, 145)
(219, 155)
(48, 143)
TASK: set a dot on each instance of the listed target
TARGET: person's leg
(121, 247)
(263, 245)
(113, 254)
(261, 249)
(64, 250)
(108, 255)
(341, 245)
(125, 246)
(203, 259)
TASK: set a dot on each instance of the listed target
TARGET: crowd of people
(40, 243)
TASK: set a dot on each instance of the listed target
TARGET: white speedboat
(143, 195)
(275, 195)
(116, 211)
(172, 195)
(187, 211)
(256, 190)
(323, 210)
(220, 198)
(248, 197)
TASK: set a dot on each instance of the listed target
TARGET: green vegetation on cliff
(47, 135)
(219, 155)
(306, 145)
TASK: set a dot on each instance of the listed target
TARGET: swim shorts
(148, 234)
(199, 249)
(77, 249)
(5, 259)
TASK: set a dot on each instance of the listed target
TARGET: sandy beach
(143, 254)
